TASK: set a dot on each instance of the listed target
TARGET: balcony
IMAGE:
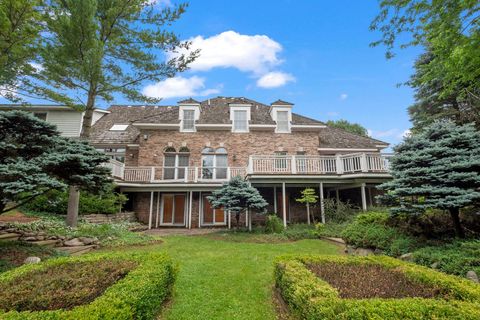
(258, 165)
(319, 165)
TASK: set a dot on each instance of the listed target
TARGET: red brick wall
(239, 145)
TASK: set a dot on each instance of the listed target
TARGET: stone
(434, 265)
(407, 257)
(363, 252)
(29, 234)
(52, 238)
(40, 238)
(377, 251)
(73, 243)
(349, 250)
(32, 238)
(88, 240)
(471, 275)
(30, 260)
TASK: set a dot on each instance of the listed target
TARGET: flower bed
(427, 294)
(136, 291)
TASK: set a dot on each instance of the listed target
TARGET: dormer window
(240, 121)
(188, 123)
(283, 125)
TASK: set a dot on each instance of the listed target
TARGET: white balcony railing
(258, 165)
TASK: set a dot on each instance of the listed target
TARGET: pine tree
(309, 197)
(237, 196)
(34, 159)
(438, 168)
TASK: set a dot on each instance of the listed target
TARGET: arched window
(214, 163)
(175, 164)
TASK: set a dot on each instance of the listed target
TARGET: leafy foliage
(354, 128)
(56, 202)
(439, 168)
(338, 211)
(450, 29)
(273, 224)
(456, 258)
(35, 159)
(370, 230)
(310, 297)
(137, 296)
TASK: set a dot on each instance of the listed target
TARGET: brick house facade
(168, 158)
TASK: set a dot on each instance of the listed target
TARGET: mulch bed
(14, 253)
(371, 281)
(62, 287)
(17, 217)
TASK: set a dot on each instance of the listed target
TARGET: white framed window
(119, 127)
(240, 121)
(283, 125)
(188, 123)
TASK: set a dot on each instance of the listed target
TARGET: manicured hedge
(139, 295)
(312, 298)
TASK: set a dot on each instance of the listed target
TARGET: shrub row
(312, 298)
(139, 295)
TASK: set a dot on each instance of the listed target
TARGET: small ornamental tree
(438, 168)
(237, 196)
(34, 159)
(309, 197)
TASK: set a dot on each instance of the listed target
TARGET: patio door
(211, 216)
(173, 209)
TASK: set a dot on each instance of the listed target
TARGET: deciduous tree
(309, 197)
(437, 168)
(354, 128)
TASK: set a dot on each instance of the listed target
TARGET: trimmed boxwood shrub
(139, 295)
(309, 297)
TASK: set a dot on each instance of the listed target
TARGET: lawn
(221, 279)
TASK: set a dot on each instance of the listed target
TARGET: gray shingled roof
(281, 103)
(189, 100)
(339, 138)
(101, 133)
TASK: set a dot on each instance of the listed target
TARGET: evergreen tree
(309, 197)
(237, 196)
(438, 168)
(34, 159)
(430, 105)
(354, 128)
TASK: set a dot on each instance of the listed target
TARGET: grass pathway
(227, 280)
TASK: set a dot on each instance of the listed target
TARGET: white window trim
(232, 117)
(196, 116)
(119, 127)
(289, 117)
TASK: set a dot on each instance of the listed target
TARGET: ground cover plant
(14, 253)
(109, 234)
(95, 286)
(312, 297)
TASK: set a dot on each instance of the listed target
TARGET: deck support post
(364, 198)
(200, 210)
(322, 205)
(337, 194)
(284, 205)
(190, 204)
(229, 220)
(275, 199)
(150, 216)
(157, 216)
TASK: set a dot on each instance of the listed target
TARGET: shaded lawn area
(227, 280)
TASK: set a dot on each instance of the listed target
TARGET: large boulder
(407, 257)
(471, 275)
(73, 242)
(30, 260)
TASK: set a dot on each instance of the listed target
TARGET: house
(168, 159)
(68, 120)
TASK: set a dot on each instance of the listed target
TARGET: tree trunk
(308, 213)
(72, 211)
(88, 116)
(455, 214)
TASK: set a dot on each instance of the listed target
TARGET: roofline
(144, 125)
(347, 149)
(47, 107)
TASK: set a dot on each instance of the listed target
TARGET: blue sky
(315, 54)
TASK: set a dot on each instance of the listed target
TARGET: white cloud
(394, 133)
(163, 3)
(229, 49)
(179, 87)
(343, 96)
(274, 79)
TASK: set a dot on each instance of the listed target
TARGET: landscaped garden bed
(97, 286)
(374, 287)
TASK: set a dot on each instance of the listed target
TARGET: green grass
(227, 279)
